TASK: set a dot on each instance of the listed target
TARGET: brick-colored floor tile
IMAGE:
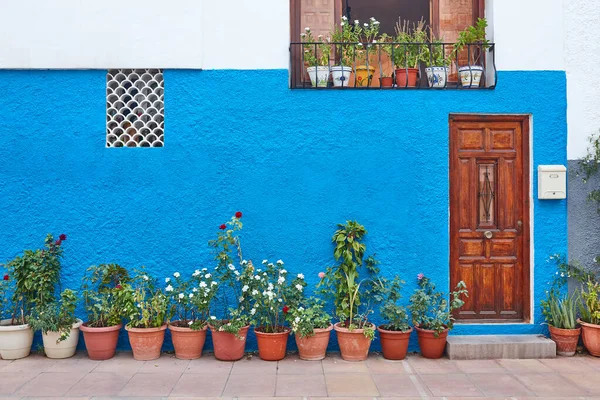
(549, 385)
(200, 385)
(479, 367)
(565, 364)
(334, 364)
(589, 360)
(450, 385)
(293, 365)
(198, 398)
(301, 385)
(379, 365)
(150, 385)
(250, 385)
(254, 366)
(164, 365)
(422, 365)
(50, 384)
(100, 384)
(268, 398)
(209, 365)
(121, 363)
(32, 364)
(75, 364)
(350, 384)
(525, 366)
(10, 382)
(398, 385)
(499, 385)
(587, 380)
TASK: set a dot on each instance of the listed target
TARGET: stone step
(487, 347)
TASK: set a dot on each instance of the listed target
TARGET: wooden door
(489, 215)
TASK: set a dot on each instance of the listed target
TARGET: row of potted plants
(356, 44)
(228, 300)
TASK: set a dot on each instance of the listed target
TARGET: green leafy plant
(590, 305)
(430, 309)
(563, 311)
(344, 39)
(308, 316)
(394, 315)
(410, 49)
(316, 52)
(35, 277)
(146, 305)
(472, 39)
(56, 316)
(190, 298)
(588, 167)
(103, 296)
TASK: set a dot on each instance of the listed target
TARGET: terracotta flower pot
(354, 345)
(146, 342)
(15, 340)
(565, 339)
(407, 77)
(187, 342)
(394, 344)
(271, 346)
(313, 348)
(100, 343)
(386, 81)
(63, 348)
(227, 346)
(431, 346)
(591, 337)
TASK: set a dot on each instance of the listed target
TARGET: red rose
(119, 287)
(286, 309)
(238, 214)
(5, 277)
(223, 227)
(62, 237)
(58, 242)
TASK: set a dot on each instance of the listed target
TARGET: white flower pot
(15, 340)
(65, 348)
(470, 76)
(341, 75)
(437, 76)
(319, 76)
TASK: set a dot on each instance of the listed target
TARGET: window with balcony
(401, 44)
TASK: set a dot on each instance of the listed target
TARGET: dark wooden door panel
(489, 215)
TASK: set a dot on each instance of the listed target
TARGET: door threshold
(491, 321)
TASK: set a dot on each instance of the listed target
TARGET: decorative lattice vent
(135, 108)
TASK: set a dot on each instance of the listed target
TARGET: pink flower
(321, 275)
(420, 276)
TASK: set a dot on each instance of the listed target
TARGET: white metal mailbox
(552, 182)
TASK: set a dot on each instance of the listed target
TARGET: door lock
(488, 234)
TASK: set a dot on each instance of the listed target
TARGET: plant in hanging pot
(59, 327)
(105, 301)
(146, 308)
(312, 328)
(409, 51)
(471, 46)
(432, 315)
(229, 321)
(352, 297)
(395, 332)
(32, 279)
(190, 304)
(590, 316)
(316, 56)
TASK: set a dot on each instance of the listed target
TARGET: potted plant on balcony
(317, 57)
(104, 301)
(590, 317)
(366, 46)
(437, 69)
(190, 304)
(385, 46)
(473, 40)
(32, 279)
(60, 329)
(229, 322)
(343, 41)
(432, 316)
(409, 52)
(312, 327)
(146, 308)
(395, 332)
(352, 297)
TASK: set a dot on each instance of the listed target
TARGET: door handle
(488, 234)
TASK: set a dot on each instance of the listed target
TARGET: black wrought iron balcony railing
(395, 65)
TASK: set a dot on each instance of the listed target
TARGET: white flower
(254, 292)
(196, 289)
(207, 276)
(169, 288)
(244, 262)
(236, 273)
(253, 311)
(241, 299)
(376, 22)
(167, 280)
(300, 308)
(145, 277)
(344, 18)
(213, 317)
(342, 23)
(356, 22)
(283, 271)
(374, 41)
(297, 319)
(257, 277)
(307, 29)
(245, 288)
(300, 276)
(270, 286)
(279, 262)
(359, 44)
(372, 19)
(231, 267)
(196, 273)
(299, 287)
(213, 283)
(365, 24)
(271, 265)
(181, 295)
(203, 284)
(280, 300)
(562, 275)
(204, 269)
(280, 280)
(191, 295)
(176, 275)
(191, 322)
(139, 305)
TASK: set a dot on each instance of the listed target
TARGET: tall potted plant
(229, 322)
(590, 317)
(352, 296)
(104, 301)
(395, 332)
(366, 46)
(146, 307)
(385, 49)
(190, 304)
(473, 40)
(437, 69)
(343, 41)
(312, 327)
(432, 315)
(32, 279)
(409, 52)
(317, 56)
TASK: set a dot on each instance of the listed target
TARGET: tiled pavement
(293, 379)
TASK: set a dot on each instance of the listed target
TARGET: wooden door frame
(525, 121)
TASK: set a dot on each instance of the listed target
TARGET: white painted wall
(582, 56)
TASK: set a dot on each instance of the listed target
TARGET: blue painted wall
(294, 162)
